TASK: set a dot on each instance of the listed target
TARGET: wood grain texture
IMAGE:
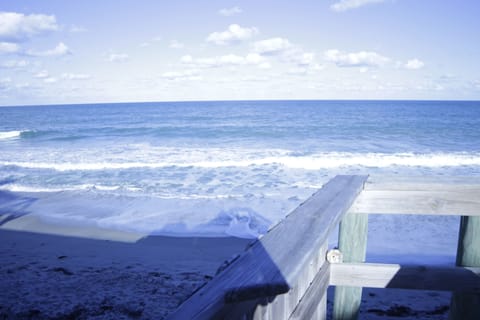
(467, 306)
(449, 201)
(273, 264)
(282, 306)
(352, 242)
(314, 295)
(460, 279)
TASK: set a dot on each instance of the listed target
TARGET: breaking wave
(311, 162)
(10, 134)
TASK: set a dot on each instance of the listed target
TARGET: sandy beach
(62, 276)
(60, 272)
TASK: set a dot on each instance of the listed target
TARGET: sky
(57, 52)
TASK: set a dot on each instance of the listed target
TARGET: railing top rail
(271, 264)
(430, 198)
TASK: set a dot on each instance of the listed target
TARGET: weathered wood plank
(444, 202)
(415, 184)
(281, 306)
(468, 251)
(307, 307)
(322, 310)
(272, 265)
(467, 306)
(352, 242)
(461, 279)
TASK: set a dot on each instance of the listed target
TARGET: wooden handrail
(286, 259)
(428, 199)
(284, 275)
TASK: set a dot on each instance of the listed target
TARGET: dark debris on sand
(112, 293)
(401, 311)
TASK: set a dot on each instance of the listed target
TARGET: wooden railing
(410, 198)
(285, 274)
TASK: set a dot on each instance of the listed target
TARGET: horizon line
(232, 100)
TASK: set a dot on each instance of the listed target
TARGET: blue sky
(124, 50)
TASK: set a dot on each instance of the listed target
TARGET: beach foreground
(117, 275)
(46, 276)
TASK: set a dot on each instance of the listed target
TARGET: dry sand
(44, 276)
(50, 271)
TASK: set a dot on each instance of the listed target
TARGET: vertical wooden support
(467, 306)
(352, 242)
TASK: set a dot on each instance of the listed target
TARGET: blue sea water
(217, 168)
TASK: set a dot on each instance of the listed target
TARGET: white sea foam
(152, 215)
(22, 188)
(10, 134)
(13, 187)
(312, 162)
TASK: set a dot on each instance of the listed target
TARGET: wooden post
(352, 242)
(467, 306)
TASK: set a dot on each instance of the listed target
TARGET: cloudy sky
(55, 51)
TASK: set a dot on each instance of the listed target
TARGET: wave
(31, 189)
(311, 162)
(13, 187)
(10, 134)
(24, 134)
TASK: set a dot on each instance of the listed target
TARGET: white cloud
(60, 50)
(297, 71)
(50, 80)
(8, 47)
(299, 57)
(174, 44)
(344, 5)
(251, 79)
(254, 58)
(117, 57)
(272, 46)
(5, 84)
(17, 26)
(287, 51)
(306, 69)
(23, 85)
(199, 62)
(265, 65)
(231, 59)
(15, 64)
(355, 59)
(75, 76)
(225, 60)
(234, 33)
(190, 75)
(476, 84)
(186, 59)
(228, 12)
(414, 64)
(42, 74)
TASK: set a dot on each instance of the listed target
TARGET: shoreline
(52, 270)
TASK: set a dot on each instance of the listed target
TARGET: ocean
(217, 168)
